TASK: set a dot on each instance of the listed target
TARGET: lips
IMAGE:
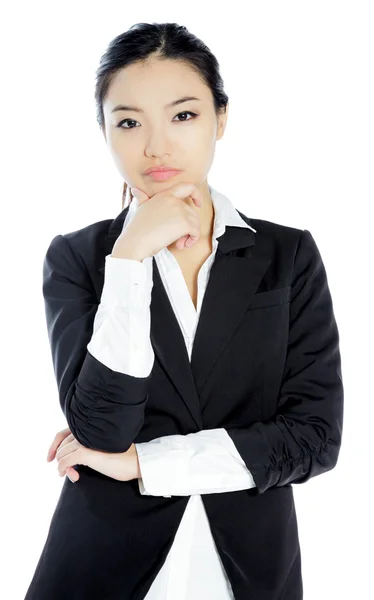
(163, 175)
(159, 169)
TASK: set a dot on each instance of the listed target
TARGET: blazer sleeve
(180, 465)
(303, 439)
(104, 408)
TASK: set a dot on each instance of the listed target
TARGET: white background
(298, 150)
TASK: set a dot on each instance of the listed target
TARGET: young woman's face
(159, 134)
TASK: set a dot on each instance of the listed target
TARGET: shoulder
(94, 231)
(274, 233)
(291, 246)
(86, 245)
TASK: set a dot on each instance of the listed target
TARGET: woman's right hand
(159, 221)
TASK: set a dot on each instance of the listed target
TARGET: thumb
(139, 195)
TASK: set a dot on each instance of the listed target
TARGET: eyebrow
(134, 108)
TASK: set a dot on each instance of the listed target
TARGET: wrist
(124, 248)
(134, 462)
(127, 254)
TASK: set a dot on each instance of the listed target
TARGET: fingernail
(72, 480)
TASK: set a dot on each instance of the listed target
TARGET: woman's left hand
(122, 466)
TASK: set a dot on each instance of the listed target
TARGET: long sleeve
(304, 437)
(205, 462)
(121, 335)
(121, 341)
(103, 405)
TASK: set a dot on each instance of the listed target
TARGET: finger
(59, 437)
(67, 448)
(185, 190)
(139, 195)
(72, 474)
(70, 438)
(61, 449)
(78, 457)
(181, 243)
(190, 241)
(197, 197)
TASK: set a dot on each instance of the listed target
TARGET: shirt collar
(225, 213)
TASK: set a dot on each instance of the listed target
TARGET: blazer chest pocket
(271, 298)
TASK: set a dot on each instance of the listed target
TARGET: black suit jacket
(265, 365)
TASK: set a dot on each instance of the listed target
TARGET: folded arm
(303, 439)
(196, 463)
(103, 404)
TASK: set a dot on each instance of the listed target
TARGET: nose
(157, 146)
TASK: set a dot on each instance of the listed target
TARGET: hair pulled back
(164, 41)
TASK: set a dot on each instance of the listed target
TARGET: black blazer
(265, 366)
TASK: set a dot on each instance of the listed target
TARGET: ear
(222, 121)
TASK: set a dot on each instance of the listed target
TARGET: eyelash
(185, 112)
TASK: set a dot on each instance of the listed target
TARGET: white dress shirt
(205, 462)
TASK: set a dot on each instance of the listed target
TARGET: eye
(186, 112)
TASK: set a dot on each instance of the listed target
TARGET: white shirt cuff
(205, 462)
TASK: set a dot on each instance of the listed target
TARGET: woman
(196, 355)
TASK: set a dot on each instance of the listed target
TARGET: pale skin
(157, 135)
(68, 452)
(164, 135)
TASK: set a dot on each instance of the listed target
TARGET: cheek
(121, 142)
(126, 166)
(202, 144)
(123, 153)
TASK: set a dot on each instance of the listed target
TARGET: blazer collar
(238, 268)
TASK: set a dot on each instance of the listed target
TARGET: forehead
(156, 81)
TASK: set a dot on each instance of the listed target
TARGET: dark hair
(165, 41)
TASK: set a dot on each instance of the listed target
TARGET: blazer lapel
(233, 281)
